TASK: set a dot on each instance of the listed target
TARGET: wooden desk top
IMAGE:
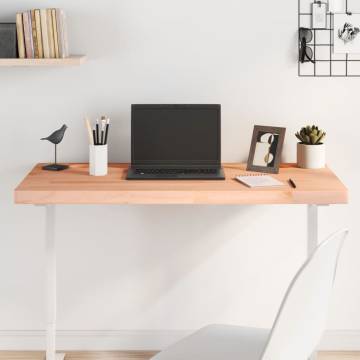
(75, 186)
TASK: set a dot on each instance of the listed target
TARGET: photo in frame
(266, 147)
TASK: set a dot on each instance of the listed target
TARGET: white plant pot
(311, 156)
(98, 159)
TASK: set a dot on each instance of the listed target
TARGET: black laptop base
(138, 173)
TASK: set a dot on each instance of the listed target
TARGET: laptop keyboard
(175, 171)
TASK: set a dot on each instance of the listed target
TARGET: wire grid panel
(326, 62)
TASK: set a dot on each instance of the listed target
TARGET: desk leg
(51, 286)
(312, 239)
(312, 228)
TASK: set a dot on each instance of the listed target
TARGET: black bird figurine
(56, 137)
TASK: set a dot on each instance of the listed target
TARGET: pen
(94, 136)
(103, 125)
(107, 130)
(97, 132)
(292, 183)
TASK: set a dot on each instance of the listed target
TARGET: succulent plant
(311, 135)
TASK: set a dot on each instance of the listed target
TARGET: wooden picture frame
(266, 148)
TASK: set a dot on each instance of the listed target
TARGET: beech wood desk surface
(75, 186)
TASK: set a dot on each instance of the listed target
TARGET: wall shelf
(74, 60)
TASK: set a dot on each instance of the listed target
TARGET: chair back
(301, 320)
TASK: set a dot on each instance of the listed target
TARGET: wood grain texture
(75, 186)
(339, 355)
(142, 355)
(70, 61)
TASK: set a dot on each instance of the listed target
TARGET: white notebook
(259, 181)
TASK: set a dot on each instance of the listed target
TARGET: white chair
(298, 326)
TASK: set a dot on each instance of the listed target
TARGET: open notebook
(259, 181)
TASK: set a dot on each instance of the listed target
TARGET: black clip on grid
(346, 7)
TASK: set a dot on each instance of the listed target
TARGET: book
(8, 45)
(29, 48)
(34, 34)
(20, 36)
(62, 34)
(44, 33)
(38, 33)
(50, 33)
(55, 32)
(258, 180)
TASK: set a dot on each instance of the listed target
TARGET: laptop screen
(173, 135)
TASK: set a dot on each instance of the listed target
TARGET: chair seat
(219, 342)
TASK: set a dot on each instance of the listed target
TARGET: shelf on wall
(74, 60)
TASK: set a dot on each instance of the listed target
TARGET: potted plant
(311, 148)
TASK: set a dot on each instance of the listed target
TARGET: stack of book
(42, 33)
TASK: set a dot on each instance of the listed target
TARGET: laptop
(175, 142)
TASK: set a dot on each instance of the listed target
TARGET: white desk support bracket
(312, 237)
(312, 228)
(50, 213)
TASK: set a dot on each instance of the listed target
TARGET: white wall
(174, 267)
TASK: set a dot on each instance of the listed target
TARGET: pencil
(88, 127)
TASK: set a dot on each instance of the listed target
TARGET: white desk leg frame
(312, 239)
(51, 286)
(312, 228)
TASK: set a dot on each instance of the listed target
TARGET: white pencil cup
(98, 155)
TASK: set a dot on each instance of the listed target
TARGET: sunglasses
(305, 52)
